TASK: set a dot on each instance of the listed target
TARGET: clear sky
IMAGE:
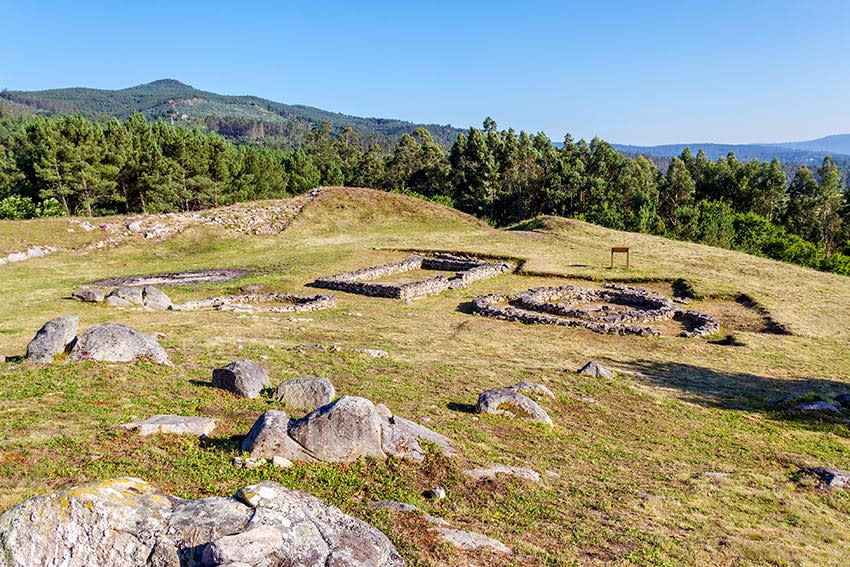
(630, 72)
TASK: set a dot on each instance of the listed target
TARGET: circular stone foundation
(174, 278)
(613, 310)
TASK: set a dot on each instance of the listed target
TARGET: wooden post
(621, 250)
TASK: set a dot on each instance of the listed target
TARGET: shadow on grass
(226, 444)
(463, 408)
(467, 307)
(743, 391)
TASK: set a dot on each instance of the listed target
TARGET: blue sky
(630, 72)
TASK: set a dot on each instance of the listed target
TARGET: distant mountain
(837, 144)
(235, 117)
(811, 152)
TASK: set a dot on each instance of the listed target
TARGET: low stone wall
(466, 270)
(535, 306)
(289, 303)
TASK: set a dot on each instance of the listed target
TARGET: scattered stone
(596, 370)
(173, 424)
(173, 278)
(409, 509)
(53, 338)
(305, 393)
(491, 473)
(375, 353)
(86, 226)
(129, 523)
(260, 303)
(318, 346)
(532, 389)
(113, 342)
(249, 462)
(716, 476)
(435, 493)
(816, 406)
(471, 540)
(588, 400)
(90, 295)
(152, 298)
(281, 462)
(829, 477)
(553, 474)
(125, 297)
(250, 547)
(135, 227)
(502, 401)
(243, 378)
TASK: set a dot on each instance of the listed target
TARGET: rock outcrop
(243, 378)
(593, 368)
(126, 522)
(306, 393)
(114, 342)
(503, 401)
(52, 339)
(340, 432)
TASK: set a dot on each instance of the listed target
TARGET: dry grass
(636, 454)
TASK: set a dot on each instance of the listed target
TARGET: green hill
(683, 458)
(236, 117)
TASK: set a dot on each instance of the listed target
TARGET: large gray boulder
(269, 438)
(125, 297)
(341, 432)
(126, 522)
(114, 342)
(503, 401)
(244, 378)
(52, 339)
(305, 393)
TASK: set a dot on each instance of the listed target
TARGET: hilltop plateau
(692, 454)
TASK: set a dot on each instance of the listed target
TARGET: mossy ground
(638, 455)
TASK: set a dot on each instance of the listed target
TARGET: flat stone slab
(829, 477)
(470, 541)
(173, 424)
(492, 472)
(502, 401)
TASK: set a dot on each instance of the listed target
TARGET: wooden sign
(620, 250)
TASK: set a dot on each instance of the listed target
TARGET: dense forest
(72, 165)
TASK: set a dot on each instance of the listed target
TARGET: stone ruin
(261, 303)
(625, 310)
(466, 270)
(173, 278)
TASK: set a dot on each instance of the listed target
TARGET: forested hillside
(73, 165)
(234, 117)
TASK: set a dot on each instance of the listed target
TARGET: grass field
(681, 459)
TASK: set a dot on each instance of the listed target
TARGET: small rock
(135, 227)
(90, 295)
(490, 473)
(829, 477)
(532, 389)
(53, 338)
(470, 540)
(244, 378)
(305, 393)
(596, 370)
(817, 406)
(249, 462)
(173, 424)
(553, 474)
(375, 353)
(435, 493)
(395, 506)
(281, 462)
(113, 342)
(508, 402)
(124, 296)
(250, 547)
(319, 347)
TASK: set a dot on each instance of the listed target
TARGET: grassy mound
(682, 459)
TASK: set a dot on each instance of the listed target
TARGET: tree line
(73, 165)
